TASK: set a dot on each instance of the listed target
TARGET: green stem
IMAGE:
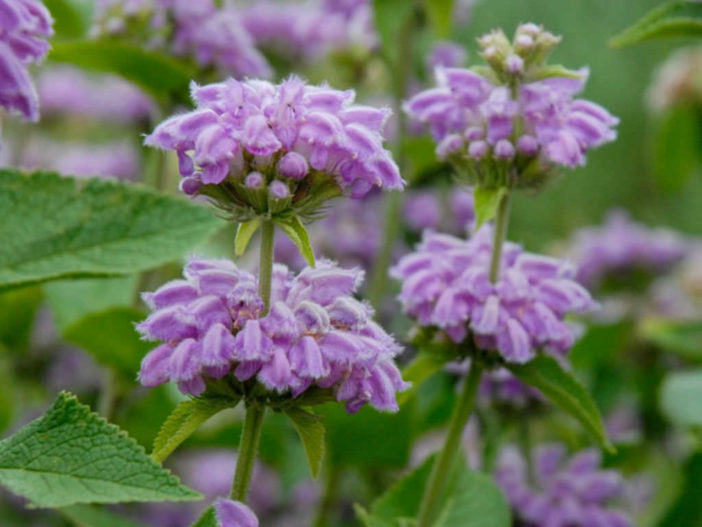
(500, 234)
(445, 461)
(106, 400)
(265, 271)
(248, 449)
(326, 504)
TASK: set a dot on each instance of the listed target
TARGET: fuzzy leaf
(680, 397)
(110, 337)
(487, 201)
(244, 233)
(297, 233)
(565, 391)
(673, 19)
(163, 77)
(72, 455)
(57, 227)
(311, 431)
(90, 516)
(185, 419)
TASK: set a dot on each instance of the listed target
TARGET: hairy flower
(565, 492)
(316, 334)
(231, 513)
(24, 27)
(492, 120)
(445, 284)
(67, 90)
(312, 139)
(622, 247)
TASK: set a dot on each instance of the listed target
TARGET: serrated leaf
(311, 431)
(673, 19)
(71, 455)
(680, 397)
(163, 77)
(487, 201)
(208, 519)
(297, 233)
(71, 300)
(440, 13)
(244, 233)
(681, 338)
(57, 227)
(185, 419)
(563, 390)
(471, 499)
(677, 153)
(421, 367)
(91, 516)
(110, 337)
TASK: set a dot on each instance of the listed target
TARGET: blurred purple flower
(316, 334)
(240, 127)
(65, 90)
(424, 209)
(565, 492)
(446, 54)
(445, 284)
(621, 247)
(234, 514)
(24, 27)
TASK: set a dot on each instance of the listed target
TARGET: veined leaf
(679, 18)
(244, 233)
(297, 232)
(311, 431)
(56, 227)
(680, 397)
(185, 419)
(563, 390)
(71, 455)
(163, 77)
(487, 200)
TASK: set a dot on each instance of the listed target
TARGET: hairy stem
(501, 222)
(248, 449)
(444, 463)
(265, 271)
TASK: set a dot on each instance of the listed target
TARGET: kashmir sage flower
(446, 285)
(24, 27)
(256, 148)
(513, 122)
(316, 335)
(564, 492)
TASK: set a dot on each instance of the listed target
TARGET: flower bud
(254, 180)
(279, 190)
(292, 165)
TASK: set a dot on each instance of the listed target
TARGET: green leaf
(90, 516)
(311, 431)
(687, 509)
(110, 337)
(17, 311)
(69, 21)
(563, 390)
(486, 202)
(297, 232)
(440, 13)
(208, 519)
(389, 18)
(163, 77)
(71, 455)
(471, 499)
(681, 394)
(676, 152)
(553, 70)
(56, 227)
(673, 19)
(185, 419)
(8, 399)
(681, 338)
(244, 233)
(423, 365)
(71, 300)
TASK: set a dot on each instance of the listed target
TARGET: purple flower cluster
(24, 27)
(445, 284)
(571, 492)
(482, 117)
(231, 513)
(621, 247)
(290, 137)
(315, 334)
(66, 90)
